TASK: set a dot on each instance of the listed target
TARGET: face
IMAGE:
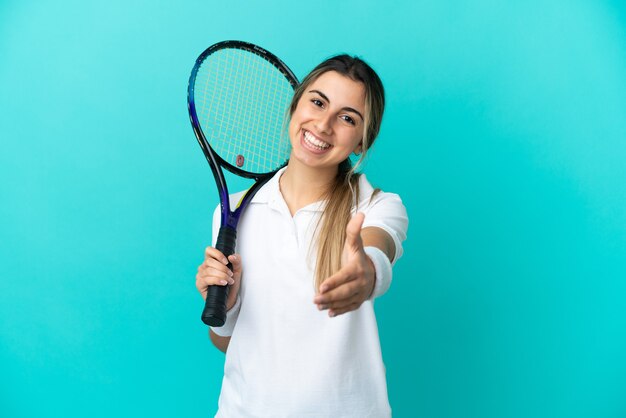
(327, 124)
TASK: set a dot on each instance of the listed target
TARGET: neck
(301, 185)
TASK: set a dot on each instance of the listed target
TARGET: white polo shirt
(285, 357)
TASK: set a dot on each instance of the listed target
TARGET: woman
(315, 247)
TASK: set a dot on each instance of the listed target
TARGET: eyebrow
(349, 109)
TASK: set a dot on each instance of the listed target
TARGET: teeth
(313, 141)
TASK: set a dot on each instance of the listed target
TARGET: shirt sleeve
(386, 211)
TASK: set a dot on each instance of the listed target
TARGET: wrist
(232, 314)
(382, 267)
(233, 305)
(370, 293)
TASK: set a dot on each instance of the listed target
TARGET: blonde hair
(342, 196)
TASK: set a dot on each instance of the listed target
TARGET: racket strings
(241, 101)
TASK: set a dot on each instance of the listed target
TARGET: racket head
(238, 97)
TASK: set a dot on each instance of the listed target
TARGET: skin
(331, 112)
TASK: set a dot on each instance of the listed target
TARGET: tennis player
(315, 248)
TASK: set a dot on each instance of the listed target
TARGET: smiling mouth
(313, 142)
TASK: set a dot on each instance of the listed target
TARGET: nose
(323, 124)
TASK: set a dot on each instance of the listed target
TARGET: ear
(359, 148)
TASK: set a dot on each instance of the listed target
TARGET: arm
(380, 249)
(354, 283)
(214, 271)
(220, 342)
(377, 237)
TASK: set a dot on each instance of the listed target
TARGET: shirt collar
(270, 194)
(270, 190)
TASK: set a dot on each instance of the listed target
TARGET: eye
(317, 102)
(348, 119)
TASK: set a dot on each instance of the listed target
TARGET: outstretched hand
(353, 284)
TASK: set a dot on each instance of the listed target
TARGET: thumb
(235, 261)
(353, 232)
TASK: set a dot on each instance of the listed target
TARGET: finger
(216, 265)
(343, 276)
(213, 263)
(203, 283)
(214, 278)
(218, 274)
(214, 253)
(340, 293)
(344, 303)
(350, 308)
(235, 261)
(353, 232)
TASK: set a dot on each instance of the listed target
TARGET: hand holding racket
(238, 97)
(214, 270)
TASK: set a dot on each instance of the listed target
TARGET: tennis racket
(238, 97)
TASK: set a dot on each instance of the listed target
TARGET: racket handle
(214, 313)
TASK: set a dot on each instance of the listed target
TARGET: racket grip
(214, 313)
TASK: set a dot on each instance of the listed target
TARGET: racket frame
(229, 218)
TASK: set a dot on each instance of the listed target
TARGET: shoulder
(371, 198)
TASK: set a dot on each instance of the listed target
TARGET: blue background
(505, 134)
